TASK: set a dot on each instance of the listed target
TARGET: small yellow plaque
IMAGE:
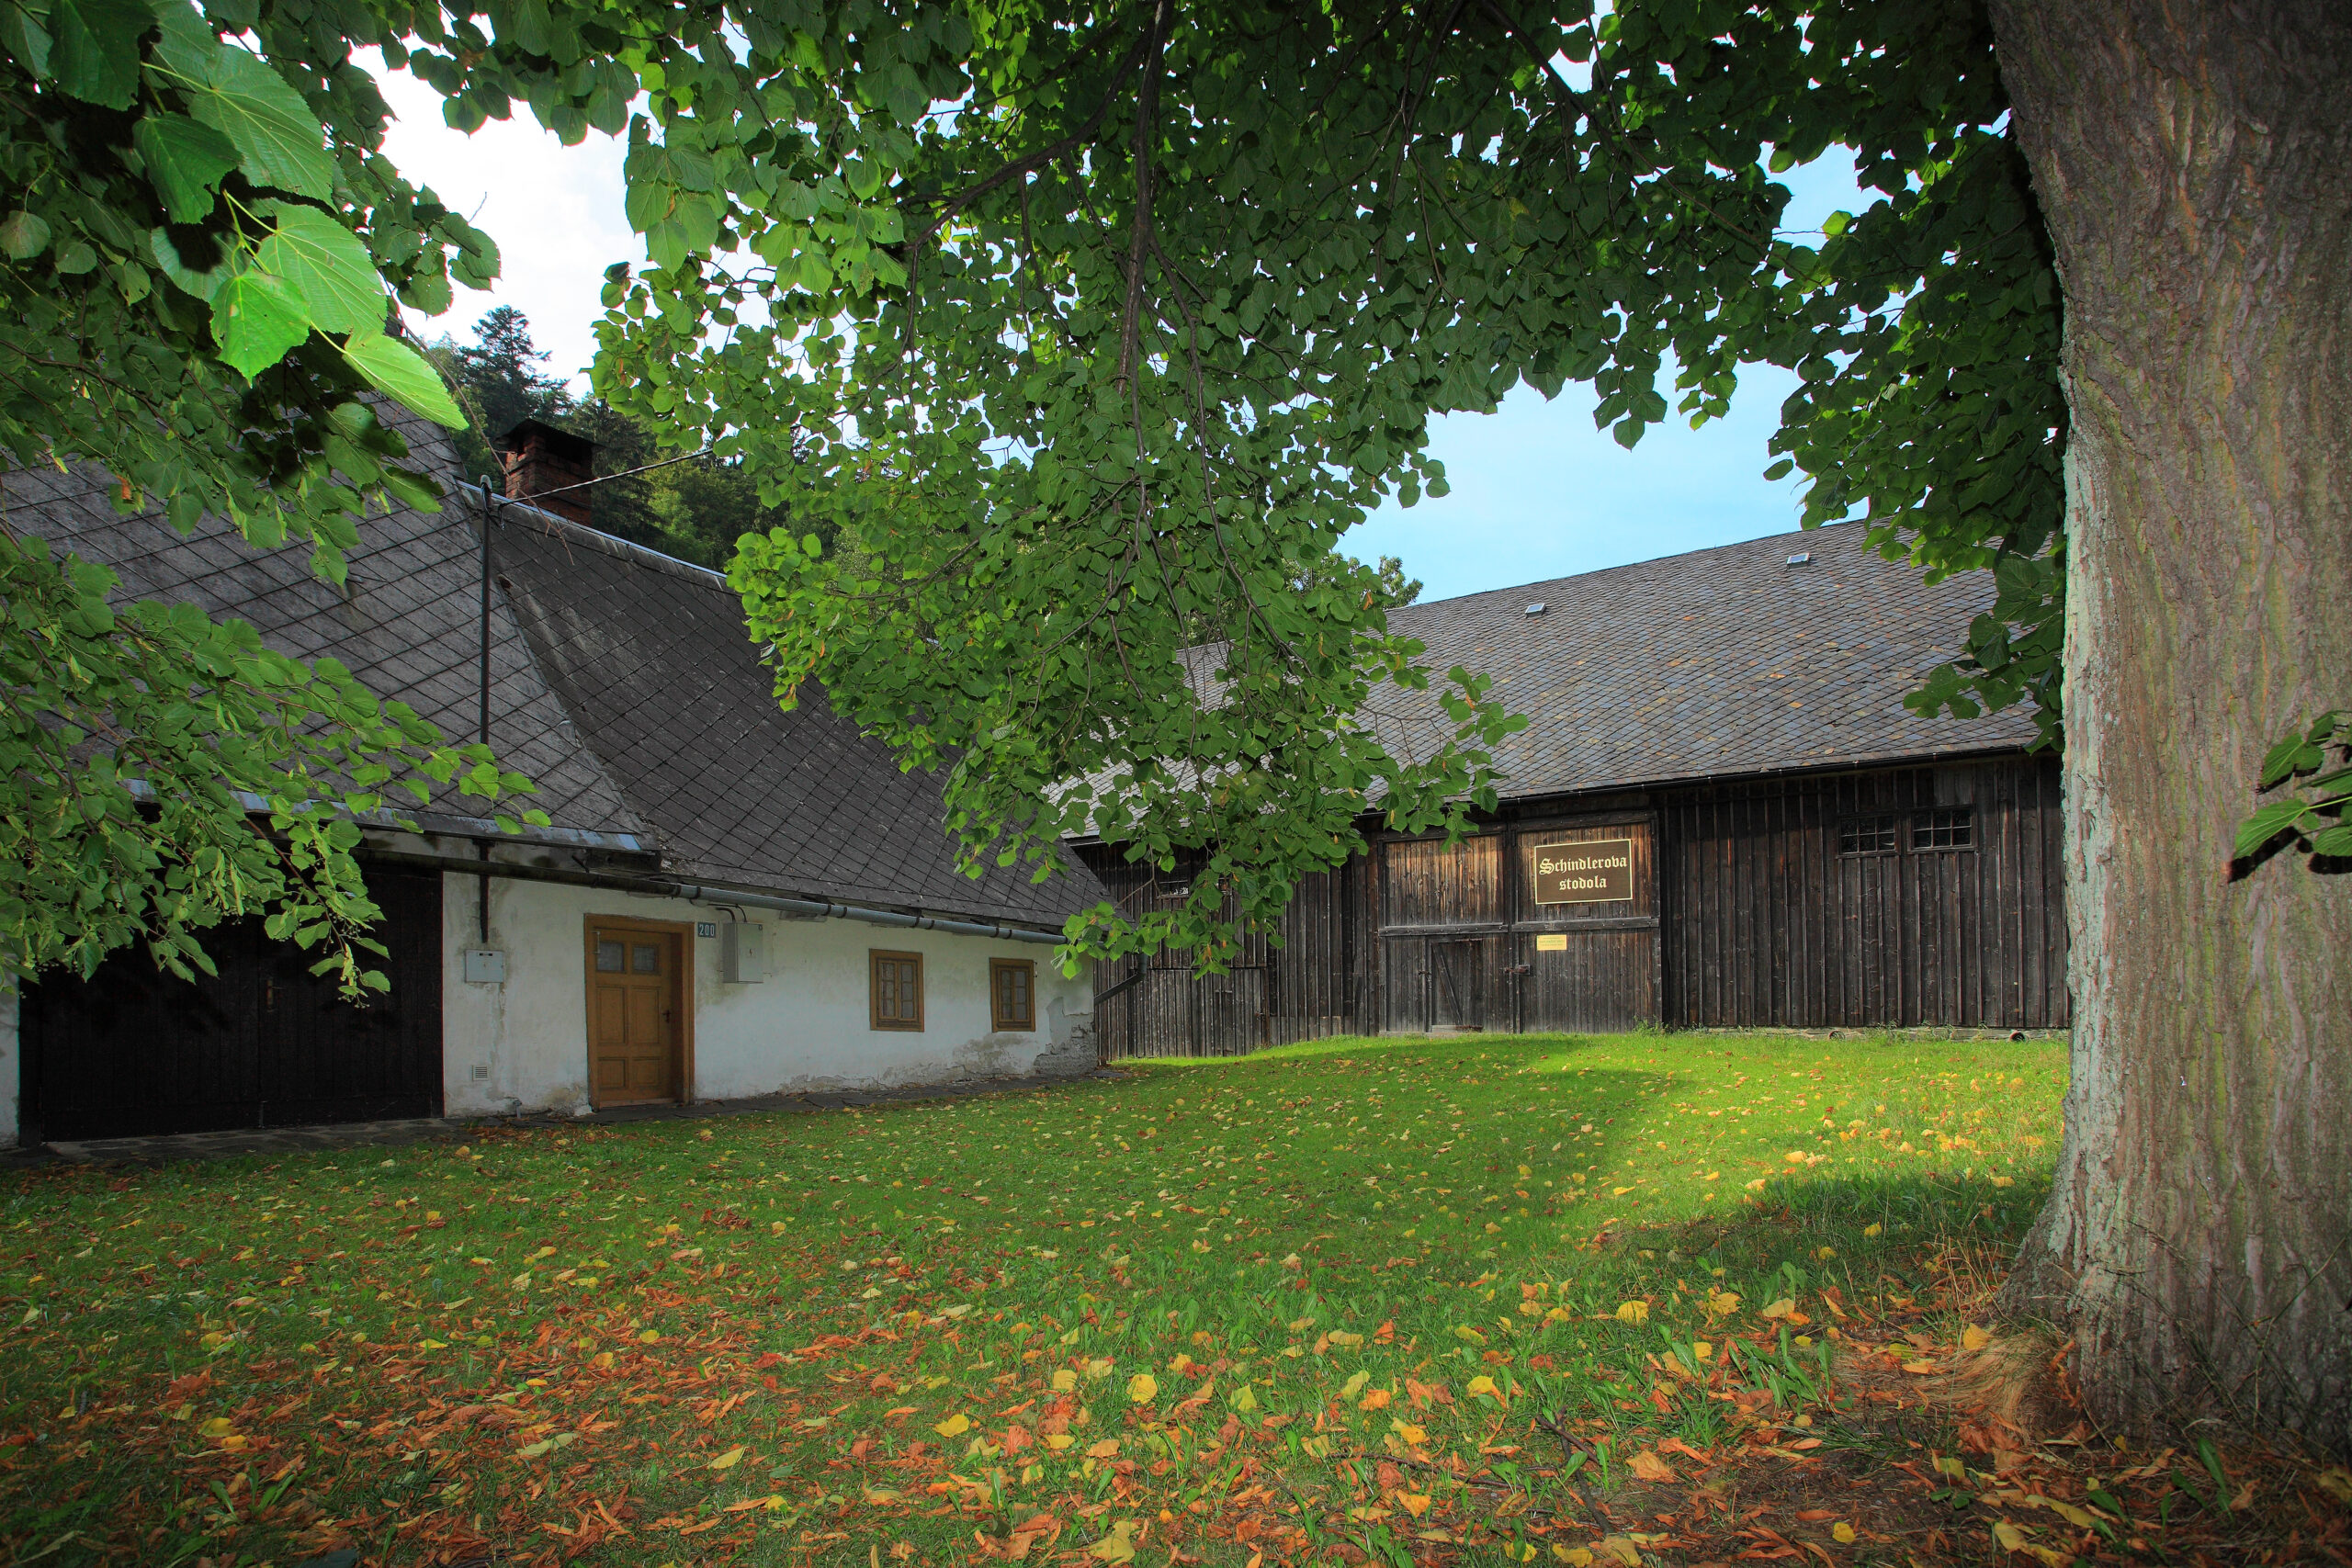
(1555, 943)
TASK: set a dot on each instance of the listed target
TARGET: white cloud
(555, 211)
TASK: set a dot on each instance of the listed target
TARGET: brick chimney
(540, 459)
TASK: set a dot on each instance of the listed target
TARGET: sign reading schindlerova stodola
(1589, 871)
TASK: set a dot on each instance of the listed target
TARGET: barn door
(1586, 925)
(1444, 919)
(1458, 992)
(261, 1043)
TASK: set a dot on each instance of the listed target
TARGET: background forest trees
(694, 509)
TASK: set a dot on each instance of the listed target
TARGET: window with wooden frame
(1012, 993)
(1949, 828)
(1879, 835)
(895, 989)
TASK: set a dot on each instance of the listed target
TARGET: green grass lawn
(1397, 1299)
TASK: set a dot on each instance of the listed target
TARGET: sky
(1537, 491)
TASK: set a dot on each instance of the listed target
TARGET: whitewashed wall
(805, 1026)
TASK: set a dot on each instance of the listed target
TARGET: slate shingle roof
(653, 661)
(410, 629)
(1720, 662)
(622, 683)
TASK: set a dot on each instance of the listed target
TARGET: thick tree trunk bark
(2194, 162)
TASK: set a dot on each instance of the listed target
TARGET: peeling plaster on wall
(805, 1026)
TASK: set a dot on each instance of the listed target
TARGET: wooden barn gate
(1534, 926)
(264, 1043)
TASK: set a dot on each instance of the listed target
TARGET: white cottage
(732, 900)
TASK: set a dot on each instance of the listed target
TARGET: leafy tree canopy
(1111, 317)
(1091, 330)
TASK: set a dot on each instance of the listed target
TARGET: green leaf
(188, 47)
(185, 161)
(2264, 825)
(76, 259)
(404, 375)
(328, 268)
(2335, 840)
(278, 141)
(93, 53)
(23, 236)
(203, 284)
(27, 40)
(256, 320)
(2287, 757)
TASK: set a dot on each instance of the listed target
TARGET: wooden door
(1458, 991)
(634, 1008)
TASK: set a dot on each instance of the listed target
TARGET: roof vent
(1801, 557)
(1536, 608)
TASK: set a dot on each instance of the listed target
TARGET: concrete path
(170, 1149)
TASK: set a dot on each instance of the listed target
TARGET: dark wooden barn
(1720, 815)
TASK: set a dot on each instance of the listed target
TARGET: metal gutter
(452, 826)
(695, 893)
(700, 893)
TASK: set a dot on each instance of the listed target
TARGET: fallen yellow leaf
(1064, 1381)
(1354, 1385)
(1842, 1533)
(1106, 1449)
(728, 1460)
(1140, 1389)
(1574, 1556)
(1414, 1436)
(1119, 1546)
(1413, 1503)
(1647, 1466)
(1974, 1338)
(1784, 1307)
(1632, 1311)
(956, 1426)
(219, 1426)
(1057, 1441)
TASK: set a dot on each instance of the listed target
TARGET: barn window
(1946, 830)
(897, 989)
(1013, 990)
(1878, 835)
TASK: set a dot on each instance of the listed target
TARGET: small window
(1012, 987)
(897, 989)
(1869, 835)
(610, 955)
(645, 958)
(1952, 829)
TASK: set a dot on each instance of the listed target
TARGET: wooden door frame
(683, 987)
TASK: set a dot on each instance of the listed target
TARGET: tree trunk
(2194, 164)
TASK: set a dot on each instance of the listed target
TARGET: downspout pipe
(693, 892)
(488, 515)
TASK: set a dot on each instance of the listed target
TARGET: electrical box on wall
(485, 966)
(742, 954)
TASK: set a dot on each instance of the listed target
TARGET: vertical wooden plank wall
(1762, 923)
(1768, 924)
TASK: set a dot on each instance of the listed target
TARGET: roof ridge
(610, 544)
(1625, 566)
